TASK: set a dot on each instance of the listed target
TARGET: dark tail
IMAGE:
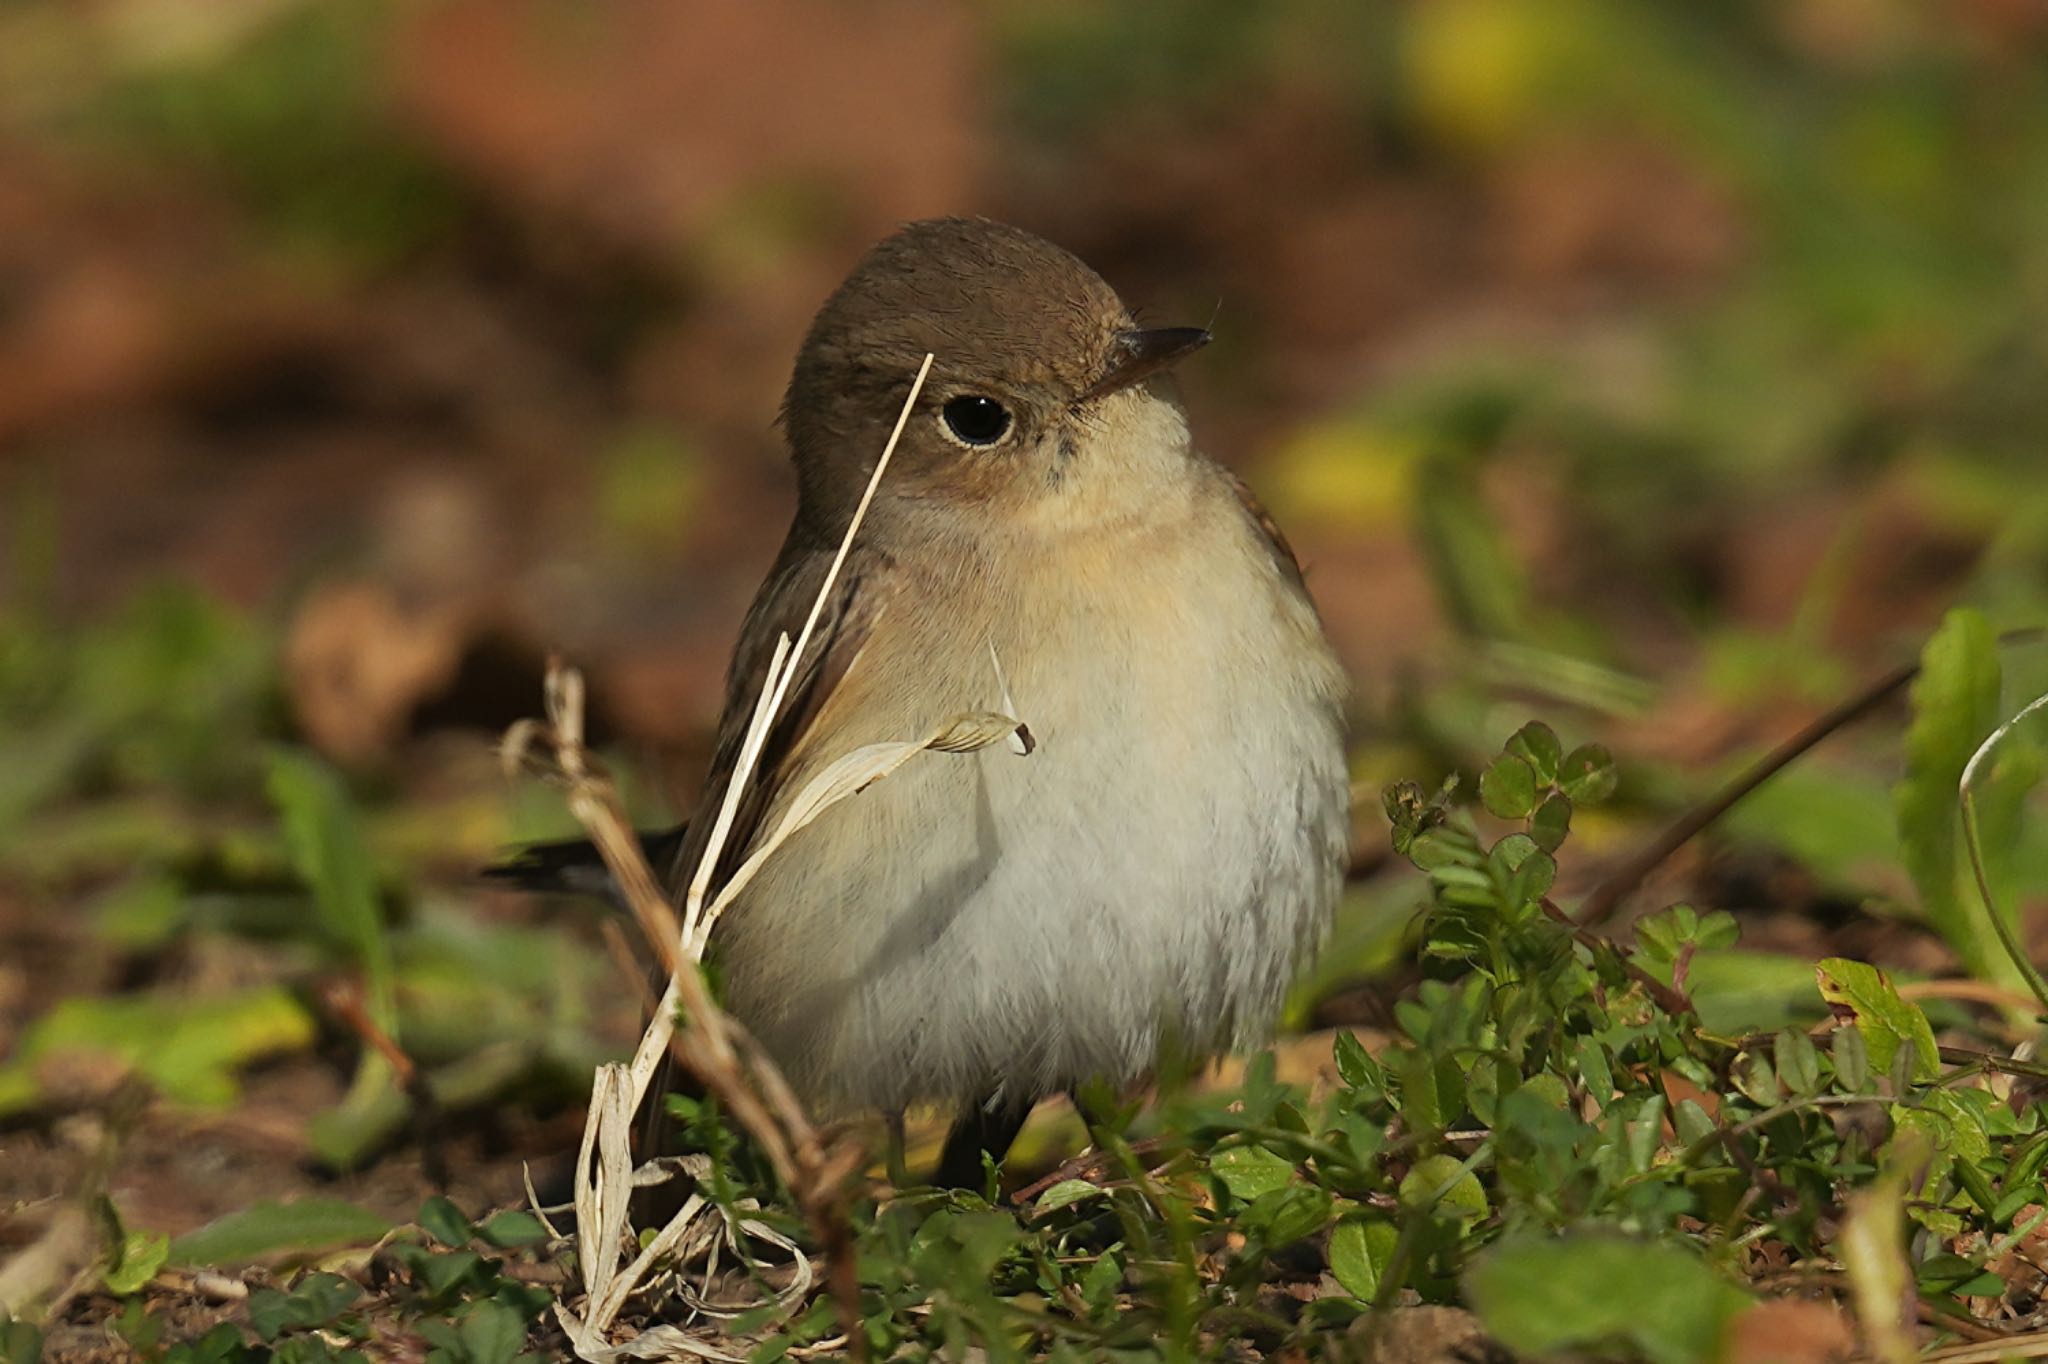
(572, 867)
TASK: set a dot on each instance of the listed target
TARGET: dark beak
(1143, 353)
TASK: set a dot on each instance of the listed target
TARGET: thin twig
(2033, 1345)
(1623, 881)
(1092, 1166)
(1606, 897)
(344, 999)
(1668, 998)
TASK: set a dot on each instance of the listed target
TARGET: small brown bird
(988, 929)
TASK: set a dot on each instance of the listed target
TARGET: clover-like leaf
(1536, 744)
(443, 1221)
(1066, 1193)
(1361, 1251)
(1441, 1183)
(1508, 787)
(1250, 1171)
(1552, 821)
(1587, 774)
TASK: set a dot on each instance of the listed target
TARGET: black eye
(975, 419)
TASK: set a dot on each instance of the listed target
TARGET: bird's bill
(1142, 353)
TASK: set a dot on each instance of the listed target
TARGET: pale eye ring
(975, 419)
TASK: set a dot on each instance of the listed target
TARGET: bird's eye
(975, 420)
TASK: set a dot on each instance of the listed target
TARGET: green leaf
(1594, 1070)
(1885, 1019)
(1717, 930)
(224, 1343)
(1432, 1091)
(512, 1228)
(1361, 1250)
(1522, 871)
(1440, 848)
(19, 1340)
(325, 837)
(188, 1048)
(1508, 787)
(142, 914)
(1955, 706)
(492, 1333)
(1286, 1215)
(313, 1224)
(270, 1313)
(1967, 1138)
(441, 1272)
(1941, 1273)
(1249, 1171)
(372, 1110)
(1441, 1184)
(325, 1297)
(143, 1254)
(1660, 935)
(1546, 1089)
(1552, 821)
(1797, 1061)
(1590, 1289)
(1536, 744)
(1100, 1284)
(443, 1221)
(448, 1346)
(1851, 1056)
(314, 1301)
(1356, 1067)
(1694, 1123)
(1587, 774)
(1757, 1079)
(1066, 1193)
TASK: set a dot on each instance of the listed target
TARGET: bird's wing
(856, 601)
(1276, 542)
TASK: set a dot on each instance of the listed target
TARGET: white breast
(1152, 873)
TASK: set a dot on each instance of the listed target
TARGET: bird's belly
(1150, 875)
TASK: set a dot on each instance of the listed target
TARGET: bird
(986, 930)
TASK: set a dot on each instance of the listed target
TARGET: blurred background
(1658, 370)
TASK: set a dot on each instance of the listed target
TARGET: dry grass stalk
(713, 1046)
(617, 1269)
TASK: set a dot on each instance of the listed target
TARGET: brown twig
(1669, 999)
(1089, 1165)
(1969, 1328)
(343, 997)
(1623, 881)
(1608, 895)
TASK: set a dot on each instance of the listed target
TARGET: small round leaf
(1536, 744)
(1552, 821)
(1508, 787)
(1587, 774)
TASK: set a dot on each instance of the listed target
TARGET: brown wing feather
(1283, 553)
(780, 608)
